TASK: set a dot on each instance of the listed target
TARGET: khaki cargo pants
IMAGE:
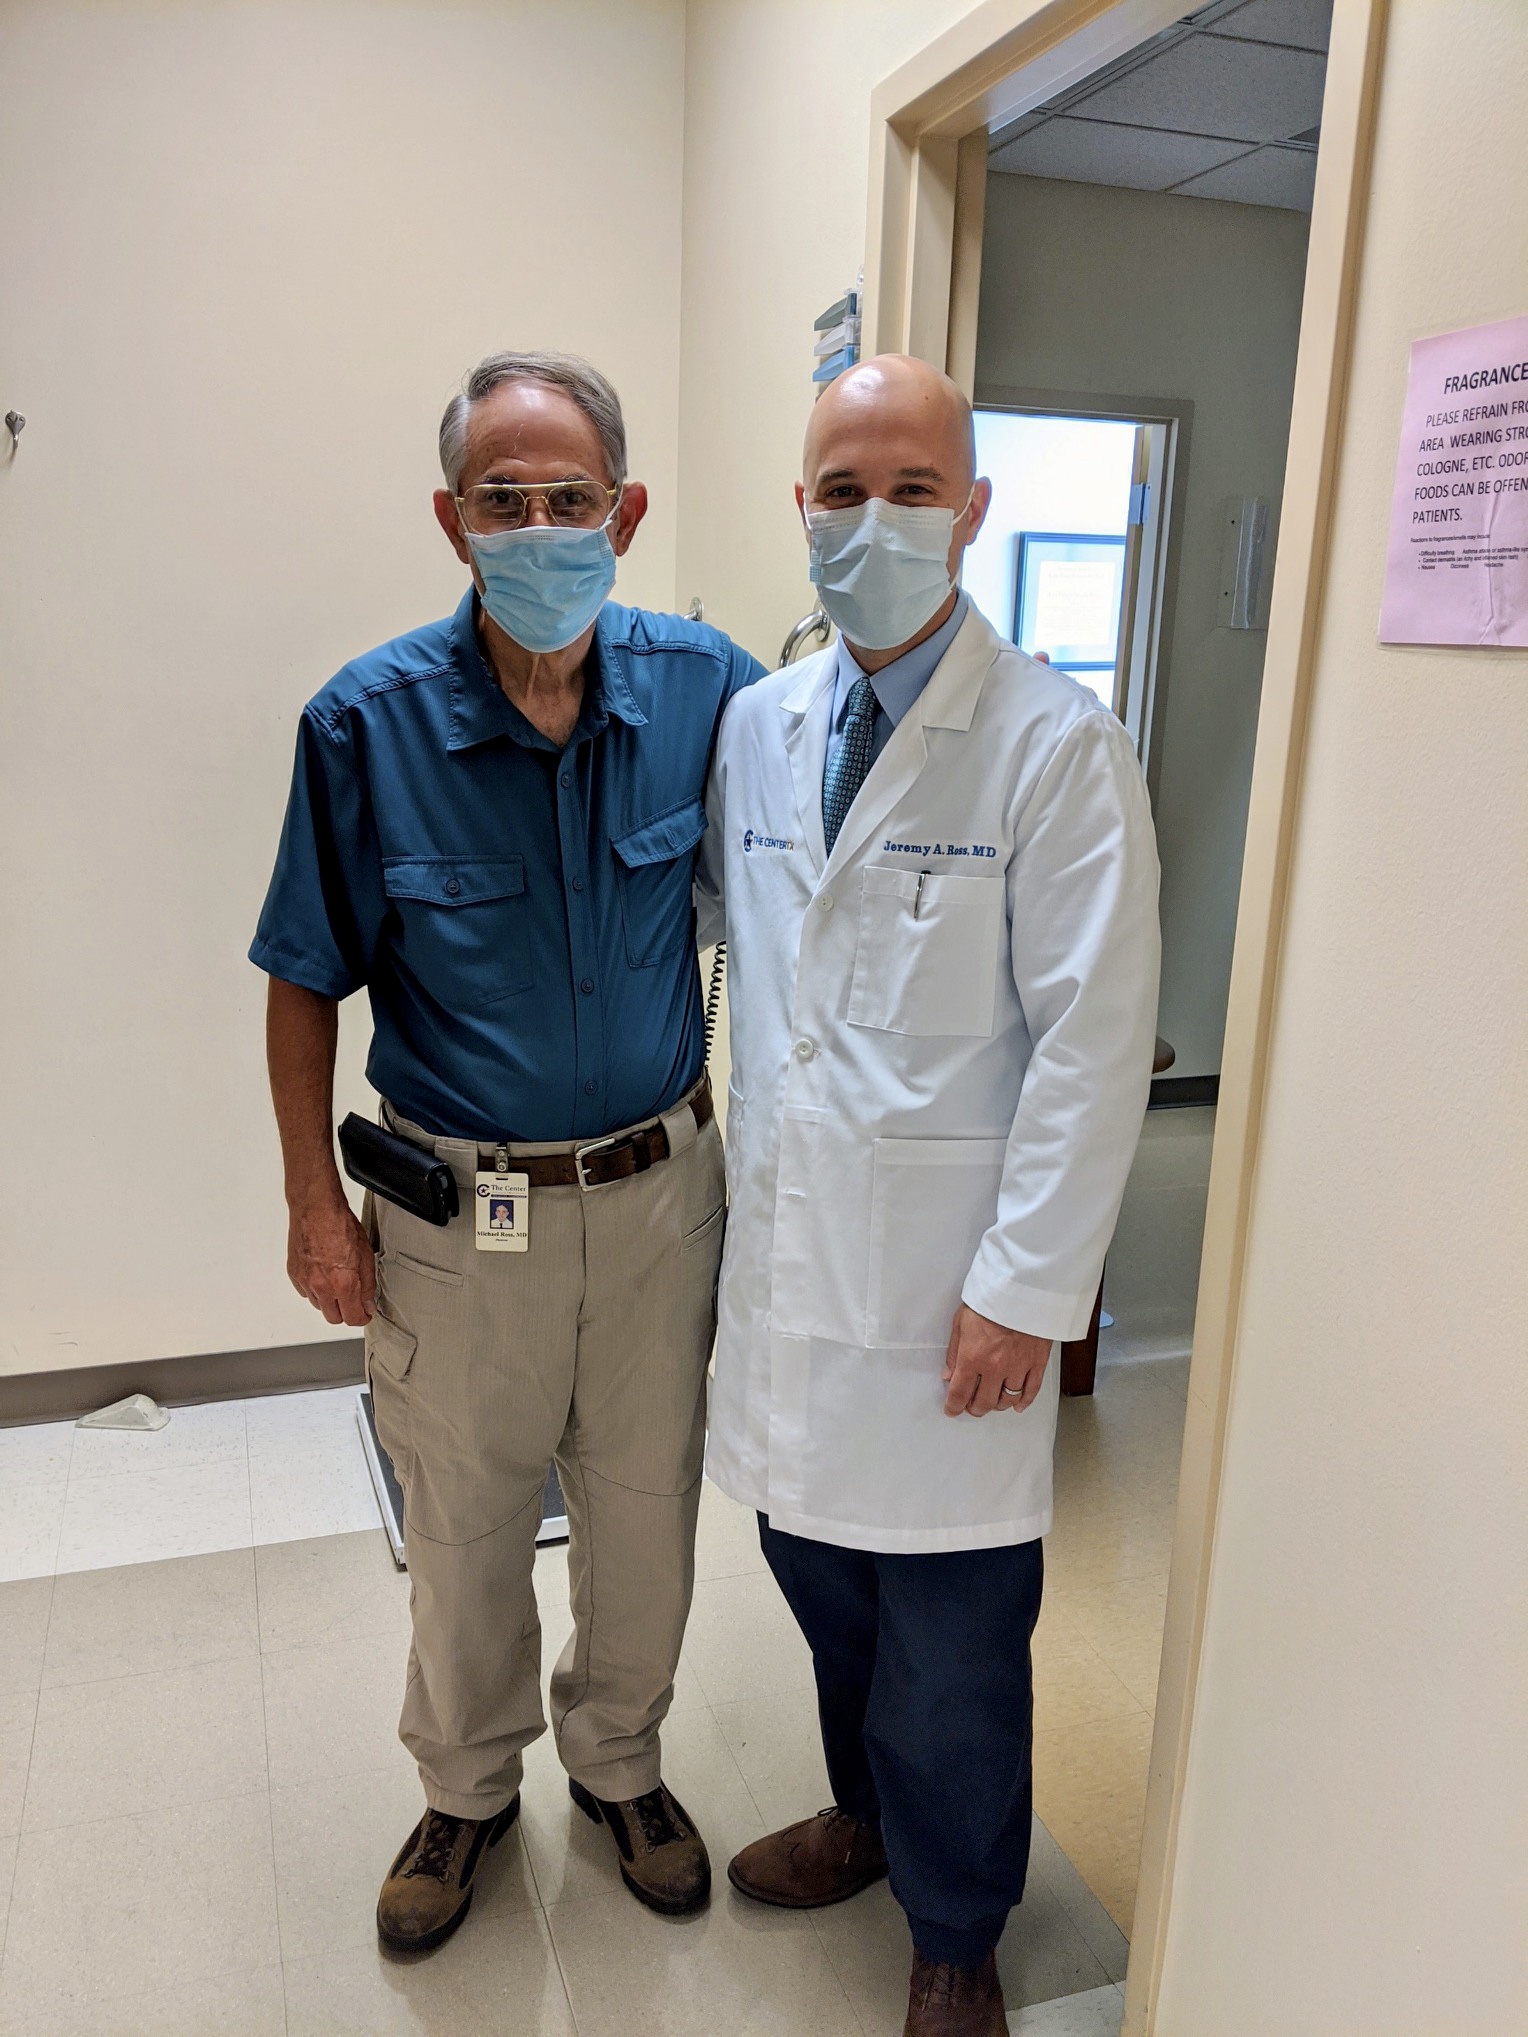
(591, 1350)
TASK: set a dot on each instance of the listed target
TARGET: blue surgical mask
(881, 568)
(544, 586)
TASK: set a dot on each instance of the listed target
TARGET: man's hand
(329, 1257)
(984, 1359)
(330, 1261)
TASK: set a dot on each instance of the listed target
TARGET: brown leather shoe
(663, 1859)
(822, 1860)
(955, 2001)
(428, 1890)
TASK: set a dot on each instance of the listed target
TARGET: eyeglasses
(506, 505)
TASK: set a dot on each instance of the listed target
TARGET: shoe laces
(658, 1816)
(437, 1844)
(840, 1826)
(942, 1985)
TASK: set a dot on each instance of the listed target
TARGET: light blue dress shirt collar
(896, 685)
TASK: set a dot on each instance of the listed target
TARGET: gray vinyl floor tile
(7, 1874)
(18, 1722)
(742, 1641)
(737, 1967)
(331, 1708)
(332, 1588)
(156, 1900)
(25, 1606)
(777, 1745)
(149, 1617)
(249, 2003)
(1094, 2014)
(1097, 1929)
(505, 1979)
(134, 1744)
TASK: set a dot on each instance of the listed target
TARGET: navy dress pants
(923, 1690)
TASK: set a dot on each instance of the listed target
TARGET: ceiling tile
(1284, 177)
(1094, 152)
(1305, 23)
(1209, 84)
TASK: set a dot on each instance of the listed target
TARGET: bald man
(932, 859)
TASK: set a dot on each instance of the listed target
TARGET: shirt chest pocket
(464, 926)
(654, 864)
(926, 957)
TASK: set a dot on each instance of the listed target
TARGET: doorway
(1071, 563)
(1130, 79)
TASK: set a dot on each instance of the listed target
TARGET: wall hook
(15, 424)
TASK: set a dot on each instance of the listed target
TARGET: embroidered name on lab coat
(979, 849)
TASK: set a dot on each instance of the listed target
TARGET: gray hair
(586, 385)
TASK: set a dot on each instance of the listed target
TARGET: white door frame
(929, 124)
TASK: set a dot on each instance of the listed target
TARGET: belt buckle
(580, 1153)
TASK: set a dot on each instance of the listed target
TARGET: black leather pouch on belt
(394, 1167)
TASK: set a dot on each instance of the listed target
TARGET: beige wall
(1354, 1855)
(248, 251)
(777, 144)
(1136, 293)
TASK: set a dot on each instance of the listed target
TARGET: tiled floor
(200, 1784)
(200, 1781)
(230, 1475)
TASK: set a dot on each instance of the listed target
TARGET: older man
(940, 892)
(492, 827)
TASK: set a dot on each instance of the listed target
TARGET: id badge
(503, 1212)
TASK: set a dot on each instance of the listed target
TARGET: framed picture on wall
(1067, 602)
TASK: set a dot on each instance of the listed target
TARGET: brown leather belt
(602, 1161)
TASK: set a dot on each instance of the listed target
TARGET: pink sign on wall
(1457, 572)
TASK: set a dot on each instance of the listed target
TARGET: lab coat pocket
(816, 1290)
(926, 960)
(931, 1203)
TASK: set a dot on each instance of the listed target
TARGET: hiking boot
(428, 1890)
(822, 1860)
(955, 2001)
(663, 1858)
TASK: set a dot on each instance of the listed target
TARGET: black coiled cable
(714, 995)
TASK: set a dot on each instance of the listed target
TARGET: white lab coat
(935, 1094)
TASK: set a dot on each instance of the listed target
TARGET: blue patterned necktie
(851, 760)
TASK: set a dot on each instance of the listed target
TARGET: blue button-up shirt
(520, 914)
(896, 685)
